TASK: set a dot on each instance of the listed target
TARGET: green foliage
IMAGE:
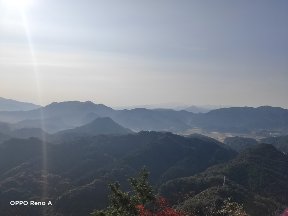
(125, 203)
(240, 143)
(230, 208)
(257, 178)
(141, 187)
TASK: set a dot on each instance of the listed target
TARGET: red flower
(143, 211)
(161, 202)
(167, 211)
(163, 209)
(285, 213)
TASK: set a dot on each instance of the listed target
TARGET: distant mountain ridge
(198, 109)
(8, 131)
(99, 126)
(57, 116)
(13, 105)
(66, 115)
(243, 119)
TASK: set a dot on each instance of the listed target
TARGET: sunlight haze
(124, 53)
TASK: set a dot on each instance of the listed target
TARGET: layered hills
(66, 115)
(69, 152)
(86, 166)
(196, 173)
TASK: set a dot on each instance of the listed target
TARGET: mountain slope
(257, 178)
(57, 116)
(13, 105)
(156, 119)
(98, 126)
(9, 131)
(74, 114)
(244, 119)
(4, 137)
(240, 143)
(5, 128)
(280, 142)
(80, 169)
(179, 156)
(25, 133)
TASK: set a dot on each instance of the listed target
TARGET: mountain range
(79, 170)
(195, 174)
(99, 126)
(70, 152)
(67, 115)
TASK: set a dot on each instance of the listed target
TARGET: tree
(141, 201)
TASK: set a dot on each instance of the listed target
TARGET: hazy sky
(145, 52)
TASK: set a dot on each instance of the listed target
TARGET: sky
(125, 53)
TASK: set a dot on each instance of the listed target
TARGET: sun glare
(18, 4)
